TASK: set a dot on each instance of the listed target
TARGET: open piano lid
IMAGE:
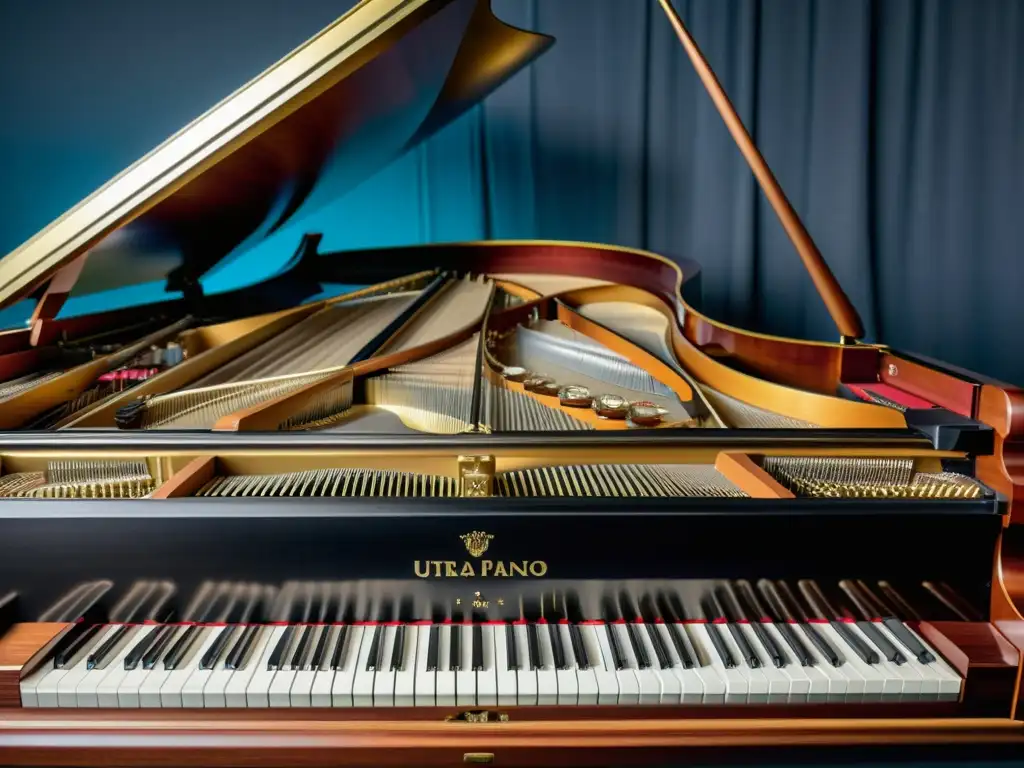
(370, 86)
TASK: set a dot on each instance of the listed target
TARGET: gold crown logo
(476, 542)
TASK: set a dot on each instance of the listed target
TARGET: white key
(950, 682)
(547, 677)
(405, 678)
(279, 694)
(215, 680)
(152, 680)
(302, 687)
(799, 679)
(778, 682)
(565, 676)
(915, 686)
(669, 683)
(756, 682)
(384, 677)
(691, 689)
(48, 686)
(171, 692)
(712, 682)
(106, 689)
(465, 677)
(875, 675)
(505, 677)
(425, 695)
(835, 681)
(67, 686)
(853, 669)
(650, 686)
(586, 679)
(444, 680)
(257, 689)
(736, 683)
(345, 675)
(87, 693)
(192, 693)
(602, 668)
(362, 685)
(526, 677)
(323, 676)
(487, 678)
(628, 684)
(235, 682)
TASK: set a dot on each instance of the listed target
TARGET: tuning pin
(541, 385)
(515, 373)
(646, 414)
(611, 406)
(575, 396)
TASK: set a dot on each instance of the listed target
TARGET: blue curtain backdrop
(895, 126)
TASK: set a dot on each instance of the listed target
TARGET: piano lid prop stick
(839, 306)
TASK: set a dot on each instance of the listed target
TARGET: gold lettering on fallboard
(476, 543)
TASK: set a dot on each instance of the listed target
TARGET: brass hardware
(478, 716)
(477, 542)
(893, 370)
(476, 474)
(478, 757)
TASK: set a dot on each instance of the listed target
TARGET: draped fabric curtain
(896, 128)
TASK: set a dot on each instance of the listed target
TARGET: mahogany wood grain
(988, 662)
(1013, 631)
(601, 736)
(18, 647)
(189, 479)
(939, 387)
(1002, 408)
(744, 472)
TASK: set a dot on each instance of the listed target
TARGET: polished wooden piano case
(705, 544)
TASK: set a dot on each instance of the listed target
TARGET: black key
(676, 633)
(98, 657)
(131, 661)
(862, 649)
(77, 639)
(754, 612)
(579, 650)
(874, 634)
(618, 657)
(639, 650)
(557, 650)
(338, 656)
(239, 655)
(279, 654)
(159, 645)
(823, 645)
(664, 659)
(911, 643)
(375, 661)
(432, 654)
(533, 645)
(321, 648)
(730, 610)
(398, 649)
(774, 652)
(793, 641)
(455, 649)
(511, 651)
(302, 648)
(476, 650)
(792, 611)
(723, 650)
(213, 653)
(176, 655)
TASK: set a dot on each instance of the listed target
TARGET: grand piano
(498, 502)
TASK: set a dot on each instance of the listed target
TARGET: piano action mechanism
(511, 502)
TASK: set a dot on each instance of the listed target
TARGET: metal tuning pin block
(575, 396)
(611, 406)
(646, 414)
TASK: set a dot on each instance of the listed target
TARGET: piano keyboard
(760, 645)
(493, 663)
